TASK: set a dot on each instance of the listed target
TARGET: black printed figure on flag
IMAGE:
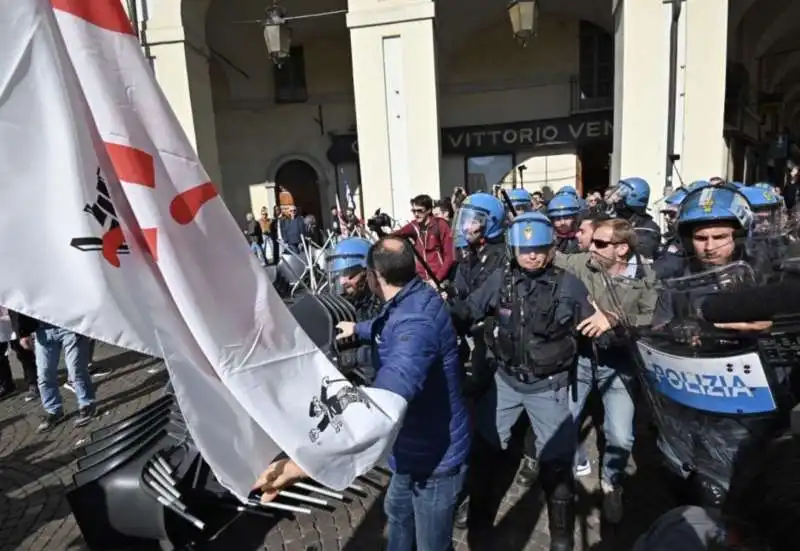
(111, 243)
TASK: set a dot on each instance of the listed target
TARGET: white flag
(246, 376)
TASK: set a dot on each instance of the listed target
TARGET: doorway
(595, 163)
(301, 180)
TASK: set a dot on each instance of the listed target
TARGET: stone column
(395, 88)
(704, 150)
(175, 40)
(640, 91)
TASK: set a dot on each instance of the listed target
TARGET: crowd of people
(489, 306)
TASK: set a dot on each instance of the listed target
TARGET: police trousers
(549, 414)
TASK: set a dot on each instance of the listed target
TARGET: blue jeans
(258, 250)
(548, 411)
(421, 511)
(49, 343)
(619, 413)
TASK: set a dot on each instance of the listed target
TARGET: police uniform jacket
(570, 306)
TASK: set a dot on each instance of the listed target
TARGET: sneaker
(85, 416)
(68, 386)
(49, 421)
(100, 372)
(583, 469)
(612, 503)
(32, 395)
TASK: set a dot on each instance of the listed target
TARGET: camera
(379, 221)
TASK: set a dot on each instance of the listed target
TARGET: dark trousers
(26, 357)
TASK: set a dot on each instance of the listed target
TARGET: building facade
(393, 98)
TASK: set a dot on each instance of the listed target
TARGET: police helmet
(528, 231)
(634, 192)
(697, 184)
(563, 206)
(765, 185)
(349, 255)
(521, 199)
(480, 215)
(677, 196)
(761, 198)
(714, 204)
(567, 190)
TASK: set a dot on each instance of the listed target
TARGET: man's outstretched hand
(279, 475)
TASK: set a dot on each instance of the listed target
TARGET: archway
(301, 180)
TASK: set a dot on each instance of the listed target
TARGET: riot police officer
(629, 199)
(347, 265)
(700, 438)
(532, 341)
(521, 200)
(563, 210)
(769, 240)
(670, 259)
(479, 224)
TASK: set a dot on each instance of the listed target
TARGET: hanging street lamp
(277, 34)
(524, 16)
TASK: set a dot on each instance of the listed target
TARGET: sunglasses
(418, 211)
(602, 243)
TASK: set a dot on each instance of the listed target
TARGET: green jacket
(632, 299)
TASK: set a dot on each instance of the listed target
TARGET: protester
(414, 343)
(255, 236)
(292, 229)
(15, 333)
(49, 342)
(432, 238)
(444, 210)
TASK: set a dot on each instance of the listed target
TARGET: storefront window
(485, 172)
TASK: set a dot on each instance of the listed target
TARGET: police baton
(421, 259)
(507, 200)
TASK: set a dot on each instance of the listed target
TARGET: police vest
(525, 335)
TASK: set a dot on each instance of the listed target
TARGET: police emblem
(706, 200)
(527, 231)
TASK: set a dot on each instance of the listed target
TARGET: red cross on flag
(111, 228)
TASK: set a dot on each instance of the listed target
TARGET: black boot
(559, 489)
(528, 472)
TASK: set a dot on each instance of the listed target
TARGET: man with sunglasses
(532, 309)
(620, 285)
(432, 238)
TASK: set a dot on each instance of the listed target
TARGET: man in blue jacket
(416, 356)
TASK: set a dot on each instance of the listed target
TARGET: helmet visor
(471, 223)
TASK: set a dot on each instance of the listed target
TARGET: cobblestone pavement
(36, 470)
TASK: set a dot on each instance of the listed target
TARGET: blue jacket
(415, 353)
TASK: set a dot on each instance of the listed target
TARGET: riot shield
(710, 390)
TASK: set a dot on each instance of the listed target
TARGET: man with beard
(612, 271)
(348, 264)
